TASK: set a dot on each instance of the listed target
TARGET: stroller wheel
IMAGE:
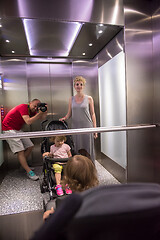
(44, 205)
(43, 186)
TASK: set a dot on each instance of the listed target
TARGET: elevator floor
(21, 208)
(20, 194)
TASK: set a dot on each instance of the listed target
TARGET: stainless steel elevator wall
(139, 82)
(141, 30)
(156, 77)
(15, 91)
(93, 11)
(51, 83)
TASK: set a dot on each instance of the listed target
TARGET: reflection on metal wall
(38, 85)
(61, 88)
(138, 39)
(156, 76)
(14, 82)
(111, 49)
(109, 53)
(15, 92)
(51, 83)
(112, 92)
(101, 11)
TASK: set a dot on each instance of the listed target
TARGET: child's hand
(50, 155)
(47, 213)
(45, 154)
(95, 135)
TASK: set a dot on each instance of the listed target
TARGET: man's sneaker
(59, 190)
(68, 190)
(32, 176)
(32, 168)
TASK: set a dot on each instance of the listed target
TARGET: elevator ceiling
(58, 29)
(47, 38)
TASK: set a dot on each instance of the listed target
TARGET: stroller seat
(55, 125)
(48, 182)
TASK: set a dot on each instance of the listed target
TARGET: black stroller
(47, 184)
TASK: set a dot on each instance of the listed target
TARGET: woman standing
(81, 108)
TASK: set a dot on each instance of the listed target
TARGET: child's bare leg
(58, 178)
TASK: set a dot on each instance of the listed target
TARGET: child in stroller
(59, 150)
(48, 183)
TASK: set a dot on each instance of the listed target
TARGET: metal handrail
(39, 134)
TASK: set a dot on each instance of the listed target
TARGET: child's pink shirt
(60, 152)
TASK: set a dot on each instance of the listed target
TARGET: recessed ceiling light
(7, 40)
(13, 51)
(90, 44)
(100, 31)
(83, 53)
(0, 25)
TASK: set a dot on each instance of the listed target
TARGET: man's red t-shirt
(14, 120)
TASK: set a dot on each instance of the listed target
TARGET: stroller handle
(54, 160)
(43, 123)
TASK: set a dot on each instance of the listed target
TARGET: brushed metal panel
(115, 46)
(138, 47)
(156, 58)
(156, 74)
(15, 92)
(61, 88)
(38, 87)
(51, 83)
(50, 38)
(101, 11)
(14, 82)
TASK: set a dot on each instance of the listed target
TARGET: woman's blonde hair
(59, 138)
(80, 174)
(80, 78)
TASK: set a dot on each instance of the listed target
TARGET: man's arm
(29, 120)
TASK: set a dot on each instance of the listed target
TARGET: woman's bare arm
(92, 113)
(69, 113)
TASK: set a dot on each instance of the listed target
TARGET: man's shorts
(57, 168)
(17, 144)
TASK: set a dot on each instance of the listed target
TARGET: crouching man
(13, 122)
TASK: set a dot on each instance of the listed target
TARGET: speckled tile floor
(105, 178)
(20, 194)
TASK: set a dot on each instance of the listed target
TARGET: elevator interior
(19, 69)
(41, 55)
(140, 43)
